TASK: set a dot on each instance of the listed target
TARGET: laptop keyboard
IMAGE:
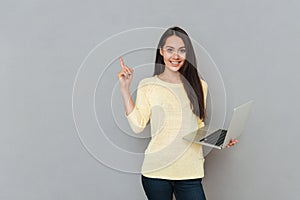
(216, 138)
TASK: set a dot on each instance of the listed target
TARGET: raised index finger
(122, 62)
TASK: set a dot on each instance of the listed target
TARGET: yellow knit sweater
(167, 107)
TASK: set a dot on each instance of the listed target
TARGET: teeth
(174, 62)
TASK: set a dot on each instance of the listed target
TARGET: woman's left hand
(232, 142)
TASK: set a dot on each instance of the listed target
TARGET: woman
(174, 102)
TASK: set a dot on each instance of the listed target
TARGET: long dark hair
(190, 77)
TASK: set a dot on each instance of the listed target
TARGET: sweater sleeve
(205, 91)
(141, 112)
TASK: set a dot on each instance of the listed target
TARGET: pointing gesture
(125, 75)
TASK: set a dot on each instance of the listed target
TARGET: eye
(182, 51)
(170, 50)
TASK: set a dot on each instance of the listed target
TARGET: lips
(175, 63)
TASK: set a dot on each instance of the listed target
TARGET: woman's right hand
(125, 75)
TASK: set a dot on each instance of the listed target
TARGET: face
(174, 53)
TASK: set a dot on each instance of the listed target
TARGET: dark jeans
(162, 189)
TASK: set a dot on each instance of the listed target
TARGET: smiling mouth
(175, 62)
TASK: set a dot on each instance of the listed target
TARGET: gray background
(255, 45)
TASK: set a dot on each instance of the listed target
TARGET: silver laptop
(219, 138)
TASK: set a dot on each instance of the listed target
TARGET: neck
(170, 76)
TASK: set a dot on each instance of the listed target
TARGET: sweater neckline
(168, 83)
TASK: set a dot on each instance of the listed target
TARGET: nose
(176, 55)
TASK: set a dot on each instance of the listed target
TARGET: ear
(161, 52)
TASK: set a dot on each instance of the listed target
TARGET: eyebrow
(174, 48)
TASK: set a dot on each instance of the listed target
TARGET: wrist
(125, 90)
